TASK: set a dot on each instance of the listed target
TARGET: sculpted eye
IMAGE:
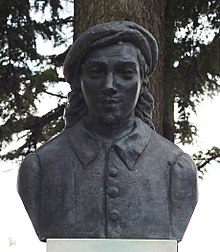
(95, 73)
(94, 70)
(127, 69)
(127, 73)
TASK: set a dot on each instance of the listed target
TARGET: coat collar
(129, 148)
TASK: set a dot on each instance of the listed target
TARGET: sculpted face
(110, 82)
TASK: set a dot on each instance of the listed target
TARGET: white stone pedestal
(110, 245)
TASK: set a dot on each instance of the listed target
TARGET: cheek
(91, 86)
(87, 89)
(91, 94)
(132, 89)
(131, 95)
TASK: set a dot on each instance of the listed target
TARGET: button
(113, 192)
(114, 215)
(113, 172)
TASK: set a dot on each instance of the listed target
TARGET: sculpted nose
(109, 87)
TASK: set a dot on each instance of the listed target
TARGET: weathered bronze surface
(108, 174)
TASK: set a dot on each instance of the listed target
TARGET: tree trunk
(170, 85)
(148, 13)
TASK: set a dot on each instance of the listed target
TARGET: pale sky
(17, 234)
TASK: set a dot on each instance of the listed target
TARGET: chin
(111, 119)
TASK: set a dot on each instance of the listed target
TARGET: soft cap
(106, 34)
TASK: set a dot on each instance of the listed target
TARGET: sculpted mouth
(108, 100)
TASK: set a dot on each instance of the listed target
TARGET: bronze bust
(108, 174)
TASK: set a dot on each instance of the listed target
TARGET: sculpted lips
(108, 100)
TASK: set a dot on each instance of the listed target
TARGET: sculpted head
(108, 68)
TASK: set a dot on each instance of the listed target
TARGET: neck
(110, 132)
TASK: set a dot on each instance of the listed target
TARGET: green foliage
(192, 67)
(25, 74)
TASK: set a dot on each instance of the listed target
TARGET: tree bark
(148, 13)
(169, 80)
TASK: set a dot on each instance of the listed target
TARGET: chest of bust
(106, 199)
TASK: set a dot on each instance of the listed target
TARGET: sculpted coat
(136, 190)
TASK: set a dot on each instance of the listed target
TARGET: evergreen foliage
(192, 67)
(192, 59)
(25, 75)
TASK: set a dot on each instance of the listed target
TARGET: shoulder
(179, 162)
(183, 161)
(183, 171)
(163, 143)
(183, 176)
(50, 150)
(28, 175)
(57, 143)
(29, 166)
(60, 143)
(163, 149)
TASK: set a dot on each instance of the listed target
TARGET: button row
(113, 192)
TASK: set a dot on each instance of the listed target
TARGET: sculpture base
(109, 245)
